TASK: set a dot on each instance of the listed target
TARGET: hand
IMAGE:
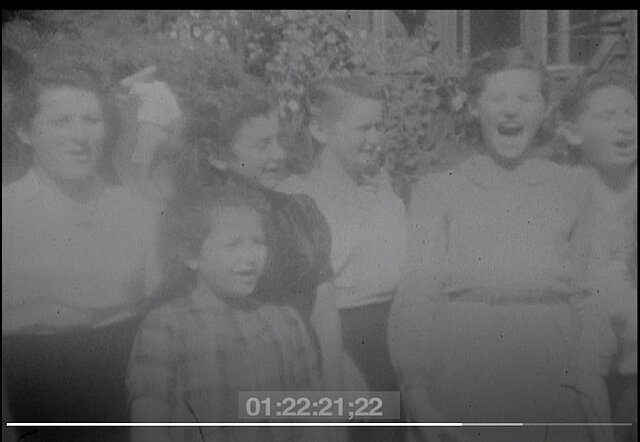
(159, 115)
(159, 105)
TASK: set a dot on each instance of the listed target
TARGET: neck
(616, 179)
(510, 164)
(210, 296)
(80, 191)
(328, 161)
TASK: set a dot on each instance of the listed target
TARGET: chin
(76, 176)
(509, 153)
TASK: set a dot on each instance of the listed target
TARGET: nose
(511, 108)
(78, 130)
(275, 151)
(251, 254)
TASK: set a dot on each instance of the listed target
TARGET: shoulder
(303, 204)
(283, 317)
(20, 190)
(440, 184)
(576, 182)
(175, 314)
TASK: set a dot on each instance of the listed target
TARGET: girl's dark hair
(81, 77)
(573, 103)
(218, 127)
(211, 129)
(327, 99)
(188, 220)
(503, 60)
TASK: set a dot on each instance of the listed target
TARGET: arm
(147, 409)
(325, 320)
(413, 306)
(420, 282)
(159, 120)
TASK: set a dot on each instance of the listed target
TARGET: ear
(192, 264)
(23, 136)
(570, 133)
(317, 131)
(217, 163)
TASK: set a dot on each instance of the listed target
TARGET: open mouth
(247, 274)
(510, 129)
(273, 170)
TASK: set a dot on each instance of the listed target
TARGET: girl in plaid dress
(194, 354)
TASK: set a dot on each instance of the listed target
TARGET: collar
(206, 300)
(33, 185)
(483, 171)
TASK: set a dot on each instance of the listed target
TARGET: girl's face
(355, 138)
(234, 254)
(511, 109)
(256, 153)
(608, 128)
(67, 133)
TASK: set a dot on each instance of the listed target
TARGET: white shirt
(368, 231)
(60, 257)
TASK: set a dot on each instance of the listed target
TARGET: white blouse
(62, 260)
(481, 226)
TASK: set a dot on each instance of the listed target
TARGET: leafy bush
(208, 55)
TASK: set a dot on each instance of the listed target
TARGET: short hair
(76, 76)
(330, 97)
(503, 60)
(573, 102)
(188, 220)
(326, 99)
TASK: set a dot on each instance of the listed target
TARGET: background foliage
(207, 56)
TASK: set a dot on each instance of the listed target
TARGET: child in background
(192, 356)
(483, 327)
(367, 222)
(600, 121)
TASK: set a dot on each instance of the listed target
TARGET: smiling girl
(483, 329)
(193, 355)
